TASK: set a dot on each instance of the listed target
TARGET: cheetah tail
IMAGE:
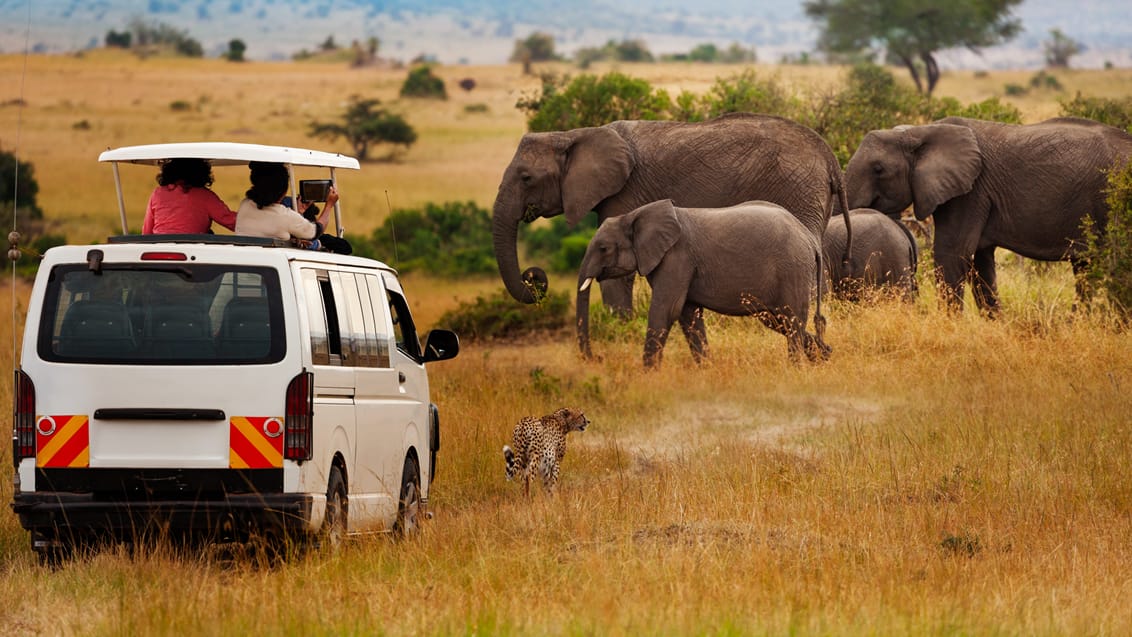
(509, 459)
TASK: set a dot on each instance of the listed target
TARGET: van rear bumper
(58, 515)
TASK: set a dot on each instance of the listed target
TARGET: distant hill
(477, 32)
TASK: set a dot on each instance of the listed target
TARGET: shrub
(450, 239)
(1114, 112)
(746, 93)
(559, 244)
(1109, 252)
(422, 83)
(991, 109)
(588, 100)
(1015, 90)
(17, 180)
(499, 316)
(1043, 80)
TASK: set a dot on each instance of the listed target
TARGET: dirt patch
(695, 426)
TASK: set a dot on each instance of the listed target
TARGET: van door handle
(401, 377)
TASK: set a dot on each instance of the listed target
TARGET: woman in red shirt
(182, 202)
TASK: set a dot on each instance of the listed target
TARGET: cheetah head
(575, 419)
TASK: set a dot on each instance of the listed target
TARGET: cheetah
(540, 444)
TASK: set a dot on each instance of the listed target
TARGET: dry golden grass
(939, 475)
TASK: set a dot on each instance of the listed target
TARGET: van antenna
(392, 229)
(14, 236)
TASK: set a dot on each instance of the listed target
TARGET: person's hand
(331, 196)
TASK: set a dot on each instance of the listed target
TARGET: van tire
(409, 502)
(337, 510)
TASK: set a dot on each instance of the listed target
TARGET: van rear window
(162, 314)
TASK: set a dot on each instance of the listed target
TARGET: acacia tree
(1059, 48)
(365, 123)
(913, 31)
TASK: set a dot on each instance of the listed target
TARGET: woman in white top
(263, 214)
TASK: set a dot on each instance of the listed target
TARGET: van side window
(403, 328)
(372, 352)
(351, 306)
(322, 312)
(316, 315)
(380, 307)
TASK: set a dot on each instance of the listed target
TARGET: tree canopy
(365, 123)
(911, 32)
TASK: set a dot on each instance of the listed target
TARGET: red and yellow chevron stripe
(62, 441)
(255, 442)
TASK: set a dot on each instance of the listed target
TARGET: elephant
(1026, 188)
(618, 167)
(754, 258)
(885, 254)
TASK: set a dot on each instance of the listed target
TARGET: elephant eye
(525, 178)
(878, 168)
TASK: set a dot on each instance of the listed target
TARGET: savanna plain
(941, 474)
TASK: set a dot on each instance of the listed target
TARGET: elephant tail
(819, 318)
(843, 198)
(913, 256)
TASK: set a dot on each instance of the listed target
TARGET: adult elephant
(989, 185)
(621, 166)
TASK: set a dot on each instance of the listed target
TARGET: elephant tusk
(586, 284)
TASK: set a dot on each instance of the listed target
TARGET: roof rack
(215, 239)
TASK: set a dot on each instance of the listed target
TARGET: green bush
(450, 239)
(499, 316)
(870, 100)
(1114, 112)
(422, 83)
(558, 243)
(589, 100)
(1109, 253)
(746, 93)
(17, 180)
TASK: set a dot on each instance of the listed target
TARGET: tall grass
(941, 474)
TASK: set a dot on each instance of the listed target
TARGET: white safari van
(220, 386)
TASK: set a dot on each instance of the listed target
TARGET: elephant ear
(655, 230)
(598, 163)
(947, 162)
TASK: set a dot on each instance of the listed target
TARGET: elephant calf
(751, 259)
(884, 254)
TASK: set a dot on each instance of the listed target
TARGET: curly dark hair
(187, 172)
(269, 183)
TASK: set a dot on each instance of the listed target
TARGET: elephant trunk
(505, 235)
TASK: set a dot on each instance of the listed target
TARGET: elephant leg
(692, 323)
(984, 285)
(617, 294)
(655, 338)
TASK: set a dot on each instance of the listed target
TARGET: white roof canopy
(227, 154)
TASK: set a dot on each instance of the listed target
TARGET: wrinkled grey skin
(885, 254)
(618, 167)
(989, 185)
(751, 259)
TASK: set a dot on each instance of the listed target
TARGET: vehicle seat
(99, 329)
(245, 330)
(178, 331)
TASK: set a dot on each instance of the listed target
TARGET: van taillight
(23, 431)
(299, 421)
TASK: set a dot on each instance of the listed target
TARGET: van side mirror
(441, 345)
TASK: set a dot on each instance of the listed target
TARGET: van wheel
(409, 505)
(337, 509)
